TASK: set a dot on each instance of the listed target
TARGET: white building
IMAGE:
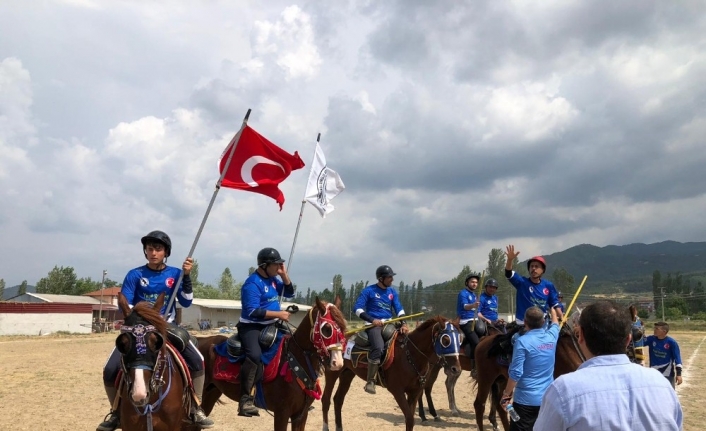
(224, 312)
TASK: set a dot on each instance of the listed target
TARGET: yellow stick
(396, 319)
(576, 295)
(480, 284)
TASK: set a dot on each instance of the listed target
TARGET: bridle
(574, 340)
(326, 335)
(446, 343)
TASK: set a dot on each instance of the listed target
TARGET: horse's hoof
(437, 419)
(455, 413)
(325, 427)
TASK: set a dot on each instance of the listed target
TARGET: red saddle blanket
(223, 369)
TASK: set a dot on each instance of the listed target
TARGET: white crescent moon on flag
(246, 170)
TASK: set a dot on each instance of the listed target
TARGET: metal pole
(661, 289)
(100, 309)
(234, 143)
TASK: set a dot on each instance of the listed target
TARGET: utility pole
(100, 312)
(661, 289)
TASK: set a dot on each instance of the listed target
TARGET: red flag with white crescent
(258, 165)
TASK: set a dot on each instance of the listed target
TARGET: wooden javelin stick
(396, 319)
(576, 295)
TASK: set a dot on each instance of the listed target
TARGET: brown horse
(450, 383)
(414, 356)
(153, 393)
(493, 376)
(316, 343)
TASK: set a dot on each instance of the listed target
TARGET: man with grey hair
(608, 392)
(532, 367)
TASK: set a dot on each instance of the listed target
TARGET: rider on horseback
(532, 290)
(488, 309)
(466, 306)
(260, 310)
(146, 283)
(374, 305)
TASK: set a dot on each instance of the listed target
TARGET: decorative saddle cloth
(358, 354)
(227, 368)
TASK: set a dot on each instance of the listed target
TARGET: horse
(153, 392)
(492, 376)
(450, 383)
(410, 366)
(316, 343)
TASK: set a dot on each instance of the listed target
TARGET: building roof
(64, 299)
(108, 291)
(232, 304)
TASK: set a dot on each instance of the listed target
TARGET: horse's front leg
(282, 420)
(330, 377)
(407, 401)
(344, 384)
(300, 423)
(422, 416)
(450, 388)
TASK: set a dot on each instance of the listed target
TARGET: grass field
(54, 383)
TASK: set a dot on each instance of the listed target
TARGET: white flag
(324, 184)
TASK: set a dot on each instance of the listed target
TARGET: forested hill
(614, 263)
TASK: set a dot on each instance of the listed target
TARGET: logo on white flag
(324, 184)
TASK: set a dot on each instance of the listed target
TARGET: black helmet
(471, 275)
(560, 295)
(384, 271)
(268, 255)
(491, 282)
(159, 237)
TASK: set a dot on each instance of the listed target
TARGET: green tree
(419, 297)
(563, 281)
(206, 291)
(85, 285)
(337, 286)
(59, 281)
(227, 285)
(251, 270)
(2, 288)
(656, 284)
(23, 288)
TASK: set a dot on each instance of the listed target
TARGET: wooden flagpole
(234, 141)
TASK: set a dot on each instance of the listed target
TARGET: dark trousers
(249, 334)
(191, 354)
(471, 337)
(528, 416)
(376, 342)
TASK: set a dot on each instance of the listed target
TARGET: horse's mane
(430, 322)
(154, 317)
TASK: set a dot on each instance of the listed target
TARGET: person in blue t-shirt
(488, 308)
(533, 290)
(532, 368)
(375, 304)
(146, 283)
(638, 340)
(466, 307)
(664, 353)
(562, 304)
(260, 299)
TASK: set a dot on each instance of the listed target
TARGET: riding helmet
(268, 255)
(384, 271)
(539, 259)
(159, 237)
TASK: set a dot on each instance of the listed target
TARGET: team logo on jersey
(377, 295)
(144, 282)
(546, 291)
(169, 282)
(666, 346)
(531, 289)
(390, 297)
(267, 289)
(489, 301)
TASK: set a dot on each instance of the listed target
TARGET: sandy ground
(54, 383)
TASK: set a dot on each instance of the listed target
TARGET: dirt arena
(54, 383)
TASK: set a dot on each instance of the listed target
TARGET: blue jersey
(664, 355)
(466, 296)
(379, 303)
(145, 284)
(529, 295)
(488, 306)
(561, 306)
(260, 294)
(532, 366)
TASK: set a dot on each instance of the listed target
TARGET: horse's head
(327, 326)
(140, 342)
(568, 352)
(446, 341)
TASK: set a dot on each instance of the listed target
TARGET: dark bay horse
(153, 392)
(414, 355)
(316, 343)
(493, 375)
(450, 383)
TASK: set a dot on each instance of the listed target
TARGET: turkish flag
(258, 165)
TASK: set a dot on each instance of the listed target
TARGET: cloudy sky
(456, 126)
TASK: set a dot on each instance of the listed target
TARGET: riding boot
(112, 419)
(373, 366)
(198, 415)
(248, 374)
